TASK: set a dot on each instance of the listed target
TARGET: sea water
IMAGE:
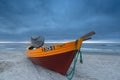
(86, 47)
(101, 47)
(13, 46)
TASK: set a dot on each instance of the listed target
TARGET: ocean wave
(100, 50)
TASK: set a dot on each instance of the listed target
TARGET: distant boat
(57, 57)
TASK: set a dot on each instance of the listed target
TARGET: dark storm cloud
(59, 19)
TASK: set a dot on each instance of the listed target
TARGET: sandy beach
(14, 65)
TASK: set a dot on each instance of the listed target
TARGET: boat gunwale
(37, 53)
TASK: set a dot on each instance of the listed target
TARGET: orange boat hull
(57, 59)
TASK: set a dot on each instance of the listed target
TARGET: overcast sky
(59, 19)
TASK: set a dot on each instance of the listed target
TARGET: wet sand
(16, 66)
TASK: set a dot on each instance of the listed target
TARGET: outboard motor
(37, 42)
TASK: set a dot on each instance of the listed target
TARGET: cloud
(63, 19)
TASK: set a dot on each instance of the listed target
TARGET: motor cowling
(37, 42)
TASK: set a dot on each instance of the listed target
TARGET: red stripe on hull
(59, 63)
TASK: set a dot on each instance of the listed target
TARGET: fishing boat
(57, 57)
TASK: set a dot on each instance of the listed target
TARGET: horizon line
(59, 41)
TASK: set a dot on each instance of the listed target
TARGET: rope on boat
(71, 74)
